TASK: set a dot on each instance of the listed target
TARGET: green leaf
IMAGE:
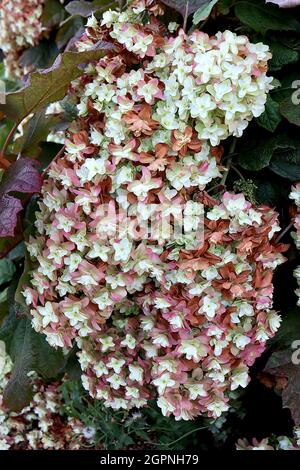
(271, 117)
(4, 306)
(48, 362)
(3, 297)
(17, 253)
(288, 97)
(289, 84)
(7, 270)
(73, 369)
(276, 83)
(48, 86)
(40, 56)
(291, 111)
(264, 17)
(30, 219)
(53, 13)
(18, 392)
(281, 56)
(267, 192)
(48, 153)
(204, 11)
(286, 163)
(68, 30)
(290, 39)
(224, 6)
(35, 131)
(69, 105)
(29, 351)
(5, 128)
(8, 327)
(10, 85)
(256, 156)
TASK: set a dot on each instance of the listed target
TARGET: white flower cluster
(218, 81)
(295, 196)
(20, 28)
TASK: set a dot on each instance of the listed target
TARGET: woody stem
(229, 161)
(286, 230)
(185, 16)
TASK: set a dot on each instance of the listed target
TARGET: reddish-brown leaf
(22, 176)
(280, 365)
(181, 5)
(9, 209)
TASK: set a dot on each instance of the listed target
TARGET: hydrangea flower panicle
(154, 316)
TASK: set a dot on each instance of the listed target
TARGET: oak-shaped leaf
(291, 111)
(262, 17)
(271, 117)
(280, 365)
(40, 56)
(285, 361)
(281, 55)
(22, 176)
(50, 85)
(35, 131)
(29, 352)
(9, 209)
(7, 270)
(286, 163)
(204, 11)
(279, 151)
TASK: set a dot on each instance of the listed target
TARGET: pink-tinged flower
(68, 219)
(87, 275)
(127, 151)
(142, 187)
(185, 141)
(175, 319)
(140, 122)
(149, 90)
